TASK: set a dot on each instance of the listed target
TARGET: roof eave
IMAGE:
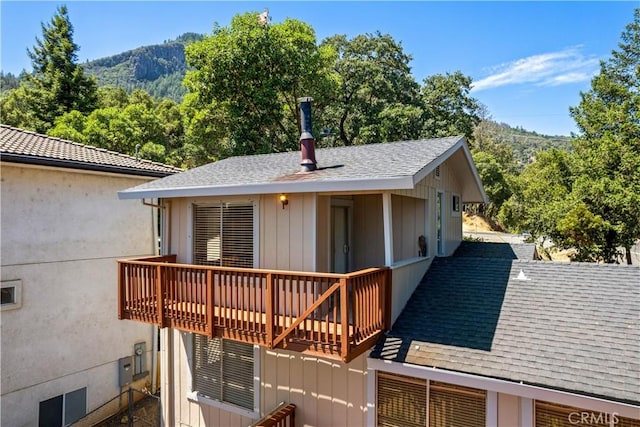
(73, 164)
(459, 145)
(381, 184)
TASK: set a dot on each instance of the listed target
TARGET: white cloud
(548, 69)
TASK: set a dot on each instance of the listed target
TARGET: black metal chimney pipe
(307, 142)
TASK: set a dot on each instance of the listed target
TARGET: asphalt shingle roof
(275, 172)
(566, 326)
(19, 145)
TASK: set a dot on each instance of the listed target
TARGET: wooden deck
(335, 315)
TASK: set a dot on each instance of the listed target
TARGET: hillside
(158, 69)
(525, 143)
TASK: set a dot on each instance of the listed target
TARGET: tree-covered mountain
(157, 69)
(525, 144)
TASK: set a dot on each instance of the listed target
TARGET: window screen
(223, 370)
(50, 412)
(75, 405)
(223, 234)
(8, 295)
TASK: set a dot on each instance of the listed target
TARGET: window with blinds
(452, 405)
(554, 415)
(403, 401)
(223, 234)
(223, 370)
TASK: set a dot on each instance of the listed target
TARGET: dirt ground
(145, 414)
(474, 224)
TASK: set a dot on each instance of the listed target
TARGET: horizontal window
(11, 294)
(223, 371)
(405, 401)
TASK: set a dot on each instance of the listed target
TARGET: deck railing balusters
(332, 314)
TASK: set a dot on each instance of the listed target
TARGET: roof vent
(307, 142)
(522, 277)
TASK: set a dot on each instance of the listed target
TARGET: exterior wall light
(284, 200)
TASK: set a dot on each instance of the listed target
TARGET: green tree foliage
(449, 110)
(126, 122)
(589, 200)
(58, 84)
(253, 74)
(377, 99)
(608, 148)
(540, 195)
(8, 82)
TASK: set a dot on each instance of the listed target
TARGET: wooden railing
(338, 315)
(283, 416)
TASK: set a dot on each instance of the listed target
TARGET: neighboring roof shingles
(396, 162)
(568, 326)
(21, 146)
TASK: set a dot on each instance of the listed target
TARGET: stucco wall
(62, 232)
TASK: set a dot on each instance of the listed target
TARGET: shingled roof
(387, 166)
(21, 146)
(564, 326)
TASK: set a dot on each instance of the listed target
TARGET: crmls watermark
(587, 417)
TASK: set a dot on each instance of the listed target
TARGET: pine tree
(608, 149)
(58, 84)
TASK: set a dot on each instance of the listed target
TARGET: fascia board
(381, 184)
(459, 145)
(521, 389)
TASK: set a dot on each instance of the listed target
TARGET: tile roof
(21, 146)
(566, 326)
(339, 168)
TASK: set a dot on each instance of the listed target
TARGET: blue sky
(528, 60)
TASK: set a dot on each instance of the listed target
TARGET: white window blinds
(223, 370)
(223, 234)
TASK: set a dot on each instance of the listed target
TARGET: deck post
(344, 320)
(269, 310)
(121, 293)
(159, 296)
(388, 284)
(210, 302)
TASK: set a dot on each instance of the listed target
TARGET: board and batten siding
(427, 188)
(187, 412)
(287, 235)
(368, 234)
(284, 237)
(325, 392)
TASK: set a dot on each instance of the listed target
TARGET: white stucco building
(62, 229)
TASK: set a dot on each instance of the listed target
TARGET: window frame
(190, 249)
(428, 385)
(64, 408)
(456, 204)
(196, 396)
(16, 284)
